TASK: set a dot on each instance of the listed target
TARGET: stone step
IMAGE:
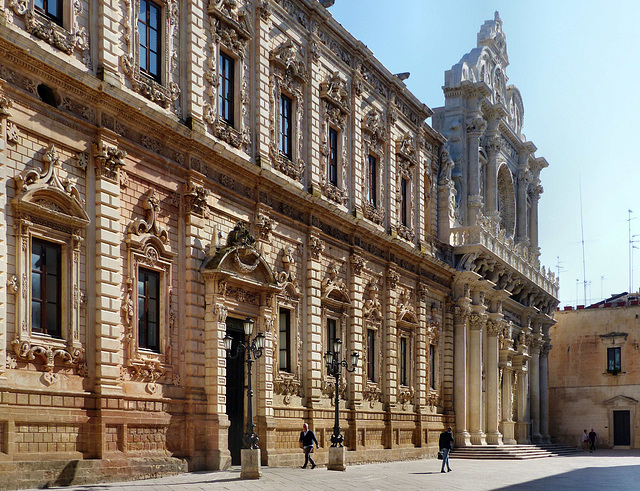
(513, 452)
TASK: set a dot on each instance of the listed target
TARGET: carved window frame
(288, 76)
(407, 329)
(340, 311)
(335, 116)
(147, 247)
(67, 37)
(407, 169)
(166, 91)
(291, 303)
(49, 208)
(230, 33)
(373, 144)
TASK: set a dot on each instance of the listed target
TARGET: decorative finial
(403, 75)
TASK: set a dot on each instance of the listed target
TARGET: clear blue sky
(577, 65)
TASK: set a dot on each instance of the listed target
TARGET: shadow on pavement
(618, 478)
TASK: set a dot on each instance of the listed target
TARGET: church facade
(489, 187)
(185, 166)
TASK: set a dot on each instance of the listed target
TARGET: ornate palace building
(173, 168)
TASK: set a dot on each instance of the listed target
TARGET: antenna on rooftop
(584, 266)
(602, 278)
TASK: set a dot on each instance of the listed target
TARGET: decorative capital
(316, 246)
(195, 197)
(109, 159)
(357, 263)
(392, 279)
(264, 226)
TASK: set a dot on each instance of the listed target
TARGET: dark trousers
(445, 458)
(593, 445)
(307, 456)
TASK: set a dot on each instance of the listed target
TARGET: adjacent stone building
(594, 373)
(172, 168)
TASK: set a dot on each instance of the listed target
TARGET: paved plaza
(602, 470)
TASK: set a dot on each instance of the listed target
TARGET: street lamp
(253, 349)
(333, 363)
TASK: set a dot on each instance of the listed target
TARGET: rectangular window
(46, 288)
(333, 156)
(432, 366)
(51, 9)
(372, 191)
(149, 32)
(148, 309)
(403, 361)
(614, 364)
(226, 93)
(284, 348)
(332, 326)
(403, 201)
(371, 355)
(285, 126)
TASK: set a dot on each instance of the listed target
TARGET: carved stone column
(109, 160)
(494, 327)
(475, 128)
(5, 106)
(193, 218)
(534, 390)
(508, 425)
(522, 391)
(391, 357)
(522, 184)
(313, 363)
(477, 321)
(462, 310)
(534, 195)
(356, 343)
(491, 192)
(544, 393)
(493, 148)
(216, 427)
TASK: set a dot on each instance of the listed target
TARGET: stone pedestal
(508, 432)
(250, 460)
(337, 459)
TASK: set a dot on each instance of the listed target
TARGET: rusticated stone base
(53, 473)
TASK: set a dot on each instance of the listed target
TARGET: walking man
(307, 439)
(592, 440)
(446, 445)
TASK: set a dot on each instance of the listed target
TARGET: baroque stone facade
(268, 168)
(488, 192)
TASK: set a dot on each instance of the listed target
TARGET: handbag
(440, 456)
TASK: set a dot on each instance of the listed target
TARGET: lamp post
(334, 363)
(253, 349)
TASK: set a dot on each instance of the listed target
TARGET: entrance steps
(513, 452)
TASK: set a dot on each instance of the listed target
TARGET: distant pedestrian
(585, 440)
(592, 440)
(446, 445)
(307, 439)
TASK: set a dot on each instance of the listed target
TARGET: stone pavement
(601, 470)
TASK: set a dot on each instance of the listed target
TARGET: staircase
(514, 452)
